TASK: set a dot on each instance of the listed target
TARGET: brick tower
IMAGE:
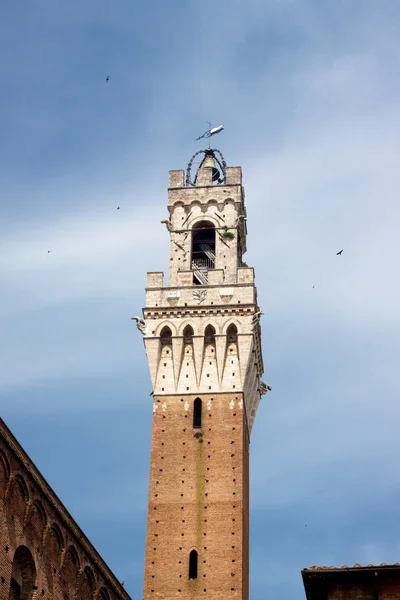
(202, 338)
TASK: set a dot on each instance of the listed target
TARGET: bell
(210, 162)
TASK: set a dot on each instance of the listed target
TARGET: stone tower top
(201, 330)
(211, 206)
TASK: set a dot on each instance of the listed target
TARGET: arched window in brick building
(197, 406)
(4, 472)
(23, 575)
(87, 585)
(193, 564)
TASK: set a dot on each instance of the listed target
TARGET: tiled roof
(356, 566)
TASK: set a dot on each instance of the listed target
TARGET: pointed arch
(184, 324)
(73, 554)
(38, 507)
(197, 413)
(229, 323)
(55, 532)
(103, 594)
(22, 487)
(18, 499)
(162, 326)
(36, 521)
(166, 336)
(89, 575)
(87, 585)
(69, 571)
(231, 334)
(193, 564)
(209, 334)
(188, 334)
(4, 471)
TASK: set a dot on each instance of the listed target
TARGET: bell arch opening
(203, 251)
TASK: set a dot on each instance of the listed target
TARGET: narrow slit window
(197, 413)
(193, 562)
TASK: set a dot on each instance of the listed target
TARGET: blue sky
(308, 92)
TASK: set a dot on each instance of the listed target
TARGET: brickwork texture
(43, 553)
(198, 499)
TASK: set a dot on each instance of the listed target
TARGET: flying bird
(118, 208)
(339, 253)
(210, 132)
(313, 286)
(108, 78)
(48, 251)
(152, 393)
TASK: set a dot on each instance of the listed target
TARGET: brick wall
(43, 553)
(353, 583)
(198, 499)
(371, 590)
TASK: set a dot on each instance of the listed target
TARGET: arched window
(166, 336)
(231, 334)
(4, 471)
(203, 251)
(209, 335)
(87, 585)
(188, 335)
(193, 564)
(197, 405)
(23, 575)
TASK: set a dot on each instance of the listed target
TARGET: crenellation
(234, 176)
(245, 275)
(155, 279)
(176, 179)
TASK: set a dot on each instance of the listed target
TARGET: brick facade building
(43, 552)
(352, 583)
